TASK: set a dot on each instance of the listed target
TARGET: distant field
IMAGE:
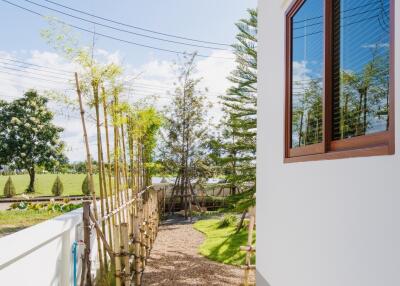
(72, 183)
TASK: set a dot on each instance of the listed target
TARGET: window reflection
(361, 67)
(307, 66)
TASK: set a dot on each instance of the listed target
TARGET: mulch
(174, 260)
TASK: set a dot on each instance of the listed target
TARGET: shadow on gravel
(175, 260)
(180, 269)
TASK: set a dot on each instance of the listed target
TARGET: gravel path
(174, 260)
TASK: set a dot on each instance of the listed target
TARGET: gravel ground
(174, 260)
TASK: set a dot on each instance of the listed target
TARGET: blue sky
(208, 20)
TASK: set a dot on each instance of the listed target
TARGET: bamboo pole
(125, 256)
(137, 254)
(103, 197)
(117, 251)
(105, 114)
(86, 276)
(89, 161)
(116, 155)
(131, 152)
(248, 265)
(124, 191)
(101, 235)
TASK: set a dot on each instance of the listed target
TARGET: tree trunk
(240, 224)
(365, 113)
(31, 186)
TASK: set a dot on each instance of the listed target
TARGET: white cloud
(300, 71)
(155, 78)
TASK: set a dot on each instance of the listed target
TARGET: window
(339, 92)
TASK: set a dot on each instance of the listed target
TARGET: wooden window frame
(376, 144)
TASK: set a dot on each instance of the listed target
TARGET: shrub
(58, 187)
(85, 186)
(9, 188)
(227, 220)
(22, 205)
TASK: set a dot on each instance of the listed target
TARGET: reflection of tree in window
(307, 63)
(361, 67)
(307, 115)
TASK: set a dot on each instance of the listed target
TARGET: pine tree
(85, 186)
(58, 187)
(9, 188)
(238, 146)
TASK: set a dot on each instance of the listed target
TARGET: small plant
(58, 187)
(227, 220)
(9, 188)
(22, 205)
(85, 186)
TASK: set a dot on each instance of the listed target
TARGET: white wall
(325, 223)
(41, 255)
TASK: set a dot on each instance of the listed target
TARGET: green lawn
(222, 244)
(15, 220)
(72, 183)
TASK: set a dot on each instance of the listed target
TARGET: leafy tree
(364, 97)
(28, 138)
(9, 188)
(185, 132)
(307, 114)
(58, 187)
(237, 143)
(143, 126)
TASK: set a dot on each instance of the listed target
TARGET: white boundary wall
(41, 255)
(323, 223)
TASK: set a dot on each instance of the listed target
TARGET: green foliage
(58, 187)
(143, 127)
(28, 137)
(86, 186)
(183, 152)
(9, 188)
(234, 148)
(105, 278)
(227, 220)
(241, 201)
(223, 244)
(49, 207)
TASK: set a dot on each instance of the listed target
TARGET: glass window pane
(361, 67)
(307, 71)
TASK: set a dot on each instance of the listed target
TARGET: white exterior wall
(42, 254)
(322, 223)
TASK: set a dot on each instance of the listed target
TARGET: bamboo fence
(126, 223)
(132, 239)
(250, 249)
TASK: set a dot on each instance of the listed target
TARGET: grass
(222, 243)
(15, 220)
(72, 183)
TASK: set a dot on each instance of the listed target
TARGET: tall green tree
(238, 145)
(28, 137)
(185, 132)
